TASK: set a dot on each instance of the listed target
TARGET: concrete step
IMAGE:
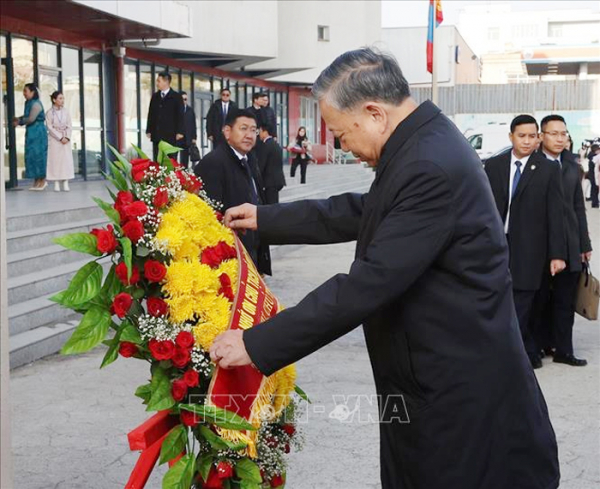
(29, 261)
(42, 282)
(40, 342)
(30, 239)
(38, 220)
(31, 314)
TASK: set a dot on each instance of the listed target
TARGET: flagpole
(434, 84)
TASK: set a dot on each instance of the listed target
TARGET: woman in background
(60, 155)
(36, 137)
(301, 149)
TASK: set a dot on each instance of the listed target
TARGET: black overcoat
(165, 117)
(459, 403)
(270, 163)
(215, 121)
(536, 224)
(226, 181)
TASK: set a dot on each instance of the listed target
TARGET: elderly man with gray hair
(460, 406)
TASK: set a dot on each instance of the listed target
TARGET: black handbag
(194, 153)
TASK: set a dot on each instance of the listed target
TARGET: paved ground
(70, 420)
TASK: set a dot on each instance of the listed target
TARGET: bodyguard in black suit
(460, 406)
(257, 108)
(230, 175)
(528, 193)
(216, 117)
(270, 164)
(190, 131)
(165, 114)
(561, 307)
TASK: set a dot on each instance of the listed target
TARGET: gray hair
(361, 75)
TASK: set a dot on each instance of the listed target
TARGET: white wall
(352, 24)
(170, 15)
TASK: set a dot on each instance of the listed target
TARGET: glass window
(249, 93)
(201, 83)
(186, 83)
(131, 96)
(158, 69)
(146, 91)
(22, 54)
(93, 110)
(71, 84)
(47, 54)
(216, 88)
(175, 79)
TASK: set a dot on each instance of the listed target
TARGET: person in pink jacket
(60, 156)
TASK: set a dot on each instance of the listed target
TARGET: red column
(119, 53)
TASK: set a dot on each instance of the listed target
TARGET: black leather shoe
(570, 360)
(536, 362)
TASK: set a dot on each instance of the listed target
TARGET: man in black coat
(270, 164)
(257, 108)
(269, 115)
(165, 114)
(190, 131)
(216, 117)
(528, 193)
(561, 307)
(230, 175)
(460, 406)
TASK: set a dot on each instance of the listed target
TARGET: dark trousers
(154, 151)
(184, 157)
(271, 195)
(555, 312)
(524, 300)
(594, 185)
(303, 164)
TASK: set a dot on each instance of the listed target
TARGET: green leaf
(220, 417)
(118, 179)
(142, 251)
(59, 298)
(138, 293)
(130, 333)
(140, 153)
(180, 476)
(204, 465)
(113, 349)
(109, 210)
(219, 443)
(112, 194)
(302, 394)
(111, 287)
(127, 255)
(82, 242)
(115, 183)
(247, 470)
(161, 397)
(91, 331)
(173, 444)
(144, 392)
(84, 286)
(121, 162)
(246, 484)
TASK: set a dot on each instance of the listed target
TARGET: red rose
(224, 470)
(105, 240)
(225, 251)
(121, 273)
(127, 349)
(139, 161)
(136, 209)
(161, 197)
(138, 174)
(289, 429)
(134, 230)
(188, 419)
(213, 480)
(122, 303)
(226, 289)
(156, 306)
(154, 271)
(194, 184)
(210, 257)
(179, 389)
(161, 350)
(191, 378)
(277, 481)
(124, 198)
(181, 357)
(185, 339)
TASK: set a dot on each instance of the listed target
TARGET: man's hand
(586, 256)
(193, 141)
(148, 135)
(557, 266)
(210, 138)
(241, 217)
(228, 350)
(178, 137)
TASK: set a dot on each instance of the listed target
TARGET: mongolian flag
(435, 12)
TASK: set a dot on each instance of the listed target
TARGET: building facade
(105, 55)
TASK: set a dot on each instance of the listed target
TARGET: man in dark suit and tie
(230, 175)
(528, 194)
(257, 108)
(561, 305)
(165, 114)
(459, 404)
(216, 117)
(190, 131)
(270, 164)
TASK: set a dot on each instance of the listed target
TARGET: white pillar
(6, 479)
(583, 71)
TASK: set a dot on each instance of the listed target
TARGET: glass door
(202, 103)
(8, 110)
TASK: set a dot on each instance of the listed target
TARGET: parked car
(489, 139)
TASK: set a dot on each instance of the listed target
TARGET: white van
(489, 139)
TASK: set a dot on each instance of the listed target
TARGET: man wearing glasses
(216, 117)
(561, 304)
